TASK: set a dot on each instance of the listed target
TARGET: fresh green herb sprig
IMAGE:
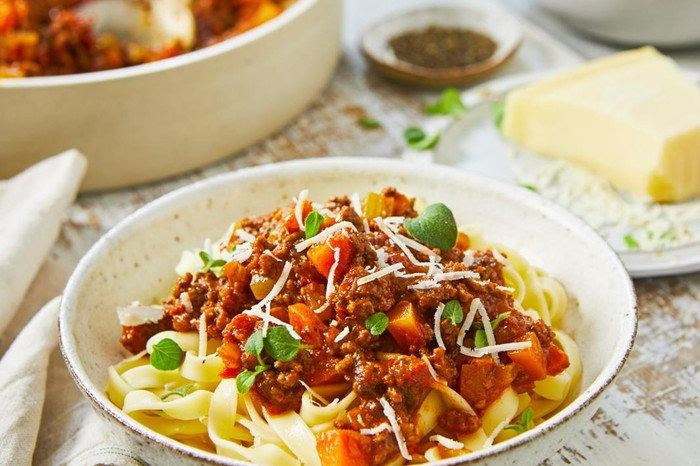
(450, 104)
(480, 339)
(631, 242)
(182, 391)
(166, 355)
(210, 263)
(369, 123)
(530, 187)
(418, 140)
(453, 312)
(524, 423)
(498, 111)
(279, 344)
(435, 226)
(377, 323)
(313, 223)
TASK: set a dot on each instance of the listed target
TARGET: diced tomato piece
(231, 354)
(241, 326)
(481, 381)
(531, 359)
(405, 326)
(322, 256)
(307, 324)
(557, 360)
(236, 272)
(291, 224)
(344, 447)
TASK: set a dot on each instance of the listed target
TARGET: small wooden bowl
(485, 18)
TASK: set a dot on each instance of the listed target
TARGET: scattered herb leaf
(369, 123)
(166, 355)
(246, 379)
(426, 143)
(531, 187)
(254, 345)
(480, 340)
(669, 236)
(494, 322)
(413, 135)
(233, 248)
(312, 223)
(211, 264)
(453, 312)
(281, 345)
(435, 226)
(498, 111)
(631, 242)
(377, 323)
(524, 423)
(450, 104)
(182, 391)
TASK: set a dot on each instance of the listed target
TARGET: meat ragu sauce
(392, 365)
(49, 37)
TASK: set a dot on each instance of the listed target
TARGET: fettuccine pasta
(348, 333)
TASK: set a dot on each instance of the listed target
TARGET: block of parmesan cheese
(632, 117)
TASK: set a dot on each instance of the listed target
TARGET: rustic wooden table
(651, 414)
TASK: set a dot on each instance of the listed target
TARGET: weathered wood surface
(651, 414)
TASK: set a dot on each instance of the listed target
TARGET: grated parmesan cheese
(343, 333)
(416, 246)
(436, 325)
(458, 275)
(393, 237)
(356, 204)
(507, 289)
(500, 257)
(447, 442)
(391, 415)
(490, 337)
(299, 208)
(202, 335)
(187, 302)
(322, 308)
(245, 236)
(379, 273)
(325, 234)
(479, 352)
(469, 257)
(330, 286)
(431, 369)
(466, 325)
(494, 434)
(376, 429)
(137, 314)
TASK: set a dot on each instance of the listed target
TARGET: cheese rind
(632, 117)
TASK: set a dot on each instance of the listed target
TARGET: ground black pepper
(440, 47)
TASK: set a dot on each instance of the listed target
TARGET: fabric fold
(23, 373)
(32, 205)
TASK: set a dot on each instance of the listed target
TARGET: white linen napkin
(32, 205)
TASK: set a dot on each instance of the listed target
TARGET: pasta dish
(53, 37)
(353, 332)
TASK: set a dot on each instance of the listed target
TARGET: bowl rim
(586, 398)
(289, 14)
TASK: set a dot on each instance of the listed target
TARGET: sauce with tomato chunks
(52, 37)
(363, 328)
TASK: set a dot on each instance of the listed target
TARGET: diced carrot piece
(557, 360)
(261, 285)
(405, 326)
(344, 447)
(481, 381)
(307, 324)
(322, 256)
(531, 359)
(235, 272)
(462, 241)
(291, 224)
(323, 371)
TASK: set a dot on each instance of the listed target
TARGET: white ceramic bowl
(155, 120)
(135, 261)
(667, 23)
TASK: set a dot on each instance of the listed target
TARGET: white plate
(474, 144)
